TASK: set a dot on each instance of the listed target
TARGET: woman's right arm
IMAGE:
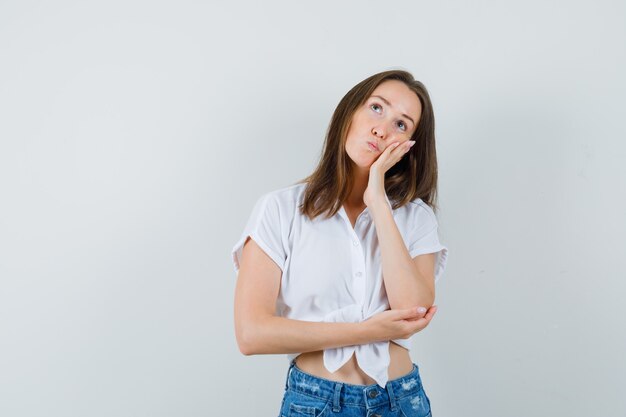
(259, 331)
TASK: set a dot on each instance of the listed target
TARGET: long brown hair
(414, 176)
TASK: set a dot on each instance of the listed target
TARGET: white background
(136, 135)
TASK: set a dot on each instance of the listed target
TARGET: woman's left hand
(376, 184)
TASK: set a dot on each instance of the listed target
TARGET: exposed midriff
(313, 363)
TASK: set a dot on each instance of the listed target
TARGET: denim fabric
(307, 395)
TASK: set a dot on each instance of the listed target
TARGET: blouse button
(358, 274)
(355, 243)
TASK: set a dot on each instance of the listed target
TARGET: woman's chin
(364, 162)
(363, 165)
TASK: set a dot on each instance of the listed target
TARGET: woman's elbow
(249, 336)
(244, 342)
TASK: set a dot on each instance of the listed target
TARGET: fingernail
(411, 143)
(421, 310)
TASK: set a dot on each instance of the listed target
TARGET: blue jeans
(307, 395)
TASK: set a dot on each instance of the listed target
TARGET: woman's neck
(355, 199)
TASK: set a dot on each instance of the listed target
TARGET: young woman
(338, 270)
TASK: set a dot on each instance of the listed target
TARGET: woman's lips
(373, 146)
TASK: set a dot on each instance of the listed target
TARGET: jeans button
(373, 394)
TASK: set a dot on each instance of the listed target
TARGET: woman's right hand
(397, 324)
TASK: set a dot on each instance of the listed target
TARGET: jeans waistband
(368, 396)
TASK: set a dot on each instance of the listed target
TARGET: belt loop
(392, 397)
(291, 364)
(336, 396)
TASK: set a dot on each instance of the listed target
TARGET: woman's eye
(403, 124)
(374, 104)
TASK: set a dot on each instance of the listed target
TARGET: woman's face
(389, 115)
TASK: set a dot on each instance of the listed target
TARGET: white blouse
(332, 272)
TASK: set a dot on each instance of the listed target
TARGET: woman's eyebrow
(389, 104)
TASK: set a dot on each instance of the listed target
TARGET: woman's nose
(379, 131)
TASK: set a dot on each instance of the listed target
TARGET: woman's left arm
(408, 282)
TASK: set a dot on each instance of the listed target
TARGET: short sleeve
(424, 238)
(264, 226)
